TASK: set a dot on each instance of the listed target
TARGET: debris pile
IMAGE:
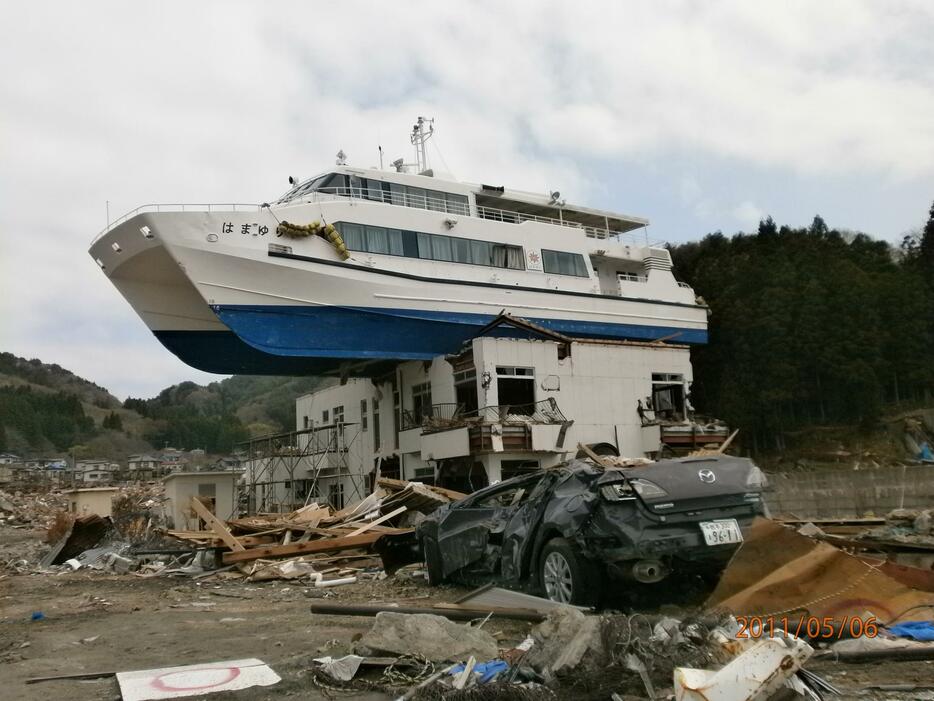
(906, 526)
(328, 548)
(570, 654)
(24, 509)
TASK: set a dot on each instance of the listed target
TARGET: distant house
(173, 460)
(9, 458)
(144, 466)
(228, 463)
(95, 471)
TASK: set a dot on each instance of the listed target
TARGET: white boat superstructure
(356, 266)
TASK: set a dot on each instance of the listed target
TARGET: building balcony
(446, 431)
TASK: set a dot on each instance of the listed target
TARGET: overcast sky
(698, 116)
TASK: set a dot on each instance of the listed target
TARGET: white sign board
(194, 680)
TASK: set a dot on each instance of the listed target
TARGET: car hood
(718, 480)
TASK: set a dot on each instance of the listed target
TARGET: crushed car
(573, 531)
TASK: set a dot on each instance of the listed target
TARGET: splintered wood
(314, 534)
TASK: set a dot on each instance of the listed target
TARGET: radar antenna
(421, 132)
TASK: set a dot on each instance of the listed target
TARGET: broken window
(324, 416)
(421, 401)
(516, 388)
(465, 390)
(667, 400)
(207, 490)
(364, 419)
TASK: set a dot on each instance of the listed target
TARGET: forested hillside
(46, 409)
(218, 416)
(810, 326)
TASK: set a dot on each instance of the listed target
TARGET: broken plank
(216, 525)
(322, 545)
(384, 517)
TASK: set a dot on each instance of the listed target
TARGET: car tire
(568, 578)
(432, 555)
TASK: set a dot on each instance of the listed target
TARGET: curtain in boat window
(481, 253)
(558, 263)
(508, 257)
(396, 247)
(353, 236)
(461, 250)
(424, 246)
(377, 240)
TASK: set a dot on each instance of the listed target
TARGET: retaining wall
(851, 493)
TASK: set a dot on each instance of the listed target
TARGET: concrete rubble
(432, 637)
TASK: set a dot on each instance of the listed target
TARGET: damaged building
(516, 399)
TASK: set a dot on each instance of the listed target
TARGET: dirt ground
(95, 622)
(103, 622)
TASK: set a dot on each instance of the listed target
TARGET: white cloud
(214, 101)
(748, 215)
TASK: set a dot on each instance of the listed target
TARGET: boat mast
(419, 138)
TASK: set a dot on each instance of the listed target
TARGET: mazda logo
(707, 476)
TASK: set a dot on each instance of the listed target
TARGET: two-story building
(95, 471)
(516, 398)
(143, 467)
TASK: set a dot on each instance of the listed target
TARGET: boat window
(353, 236)
(397, 193)
(461, 250)
(336, 183)
(508, 257)
(559, 263)
(457, 204)
(356, 186)
(481, 253)
(417, 244)
(441, 248)
(424, 246)
(415, 197)
(396, 247)
(435, 200)
(378, 190)
(376, 240)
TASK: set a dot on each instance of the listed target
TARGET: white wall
(599, 383)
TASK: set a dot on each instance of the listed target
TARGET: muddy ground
(102, 622)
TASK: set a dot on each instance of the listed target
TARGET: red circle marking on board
(232, 673)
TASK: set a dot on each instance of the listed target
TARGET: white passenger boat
(356, 266)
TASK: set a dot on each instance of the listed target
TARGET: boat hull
(400, 334)
(253, 303)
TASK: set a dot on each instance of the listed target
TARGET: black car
(567, 531)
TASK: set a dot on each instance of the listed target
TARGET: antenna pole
(380, 156)
(419, 138)
(107, 204)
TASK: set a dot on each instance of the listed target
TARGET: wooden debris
(313, 546)
(216, 524)
(316, 534)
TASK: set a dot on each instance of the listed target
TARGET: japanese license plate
(721, 532)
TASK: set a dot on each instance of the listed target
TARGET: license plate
(721, 532)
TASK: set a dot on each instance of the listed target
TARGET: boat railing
(408, 199)
(209, 207)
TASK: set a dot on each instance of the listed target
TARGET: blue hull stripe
(399, 334)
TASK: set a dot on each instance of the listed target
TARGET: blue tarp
(486, 670)
(916, 630)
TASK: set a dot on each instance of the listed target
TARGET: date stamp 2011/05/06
(826, 628)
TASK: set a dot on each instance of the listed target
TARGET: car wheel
(432, 555)
(566, 577)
